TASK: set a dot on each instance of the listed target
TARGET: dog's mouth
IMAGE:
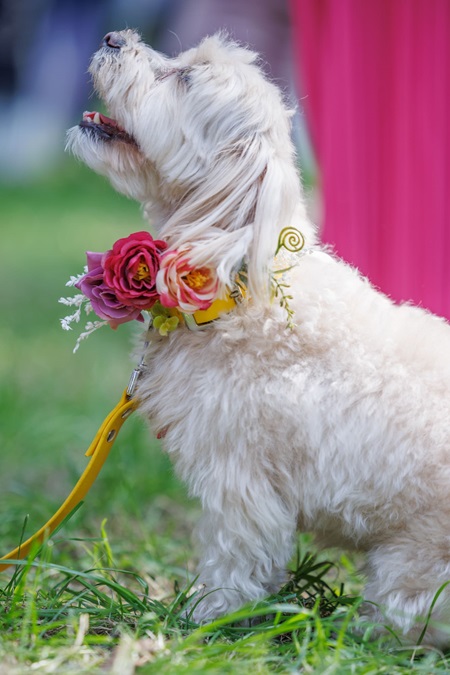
(105, 128)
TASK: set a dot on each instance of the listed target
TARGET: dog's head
(202, 141)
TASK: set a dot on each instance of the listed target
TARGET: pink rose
(103, 299)
(181, 285)
(131, 268)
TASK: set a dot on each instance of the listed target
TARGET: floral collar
(141, 274)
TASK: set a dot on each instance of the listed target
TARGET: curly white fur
(340, 426)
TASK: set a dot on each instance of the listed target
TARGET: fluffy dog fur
(340, 426)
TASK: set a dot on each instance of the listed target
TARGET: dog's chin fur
(340, 426)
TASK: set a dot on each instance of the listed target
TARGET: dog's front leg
(246, 546)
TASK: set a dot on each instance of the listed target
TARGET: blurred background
(371, 83)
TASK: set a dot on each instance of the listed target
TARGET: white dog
(338, 424)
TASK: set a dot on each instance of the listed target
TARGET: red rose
(130, 269)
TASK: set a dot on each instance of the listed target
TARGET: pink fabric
(375, 85)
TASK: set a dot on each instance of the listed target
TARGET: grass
(109, 592)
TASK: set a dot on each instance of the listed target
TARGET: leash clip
(135, 375)
(131, 388)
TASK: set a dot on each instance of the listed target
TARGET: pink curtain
(375, 86)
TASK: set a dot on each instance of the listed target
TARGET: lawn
(108, 592)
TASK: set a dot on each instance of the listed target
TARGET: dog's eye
(184, 75)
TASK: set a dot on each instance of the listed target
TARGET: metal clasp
(135, 375)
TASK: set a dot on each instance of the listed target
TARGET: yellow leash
(100, 447)
(104, 439)
(98, 452)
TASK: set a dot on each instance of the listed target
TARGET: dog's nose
(113, 40)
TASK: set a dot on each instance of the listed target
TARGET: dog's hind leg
(408, 589)
(247, 543)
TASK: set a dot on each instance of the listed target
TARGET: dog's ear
(239, 212)
(279, 204)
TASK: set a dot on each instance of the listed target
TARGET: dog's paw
(208, 604)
